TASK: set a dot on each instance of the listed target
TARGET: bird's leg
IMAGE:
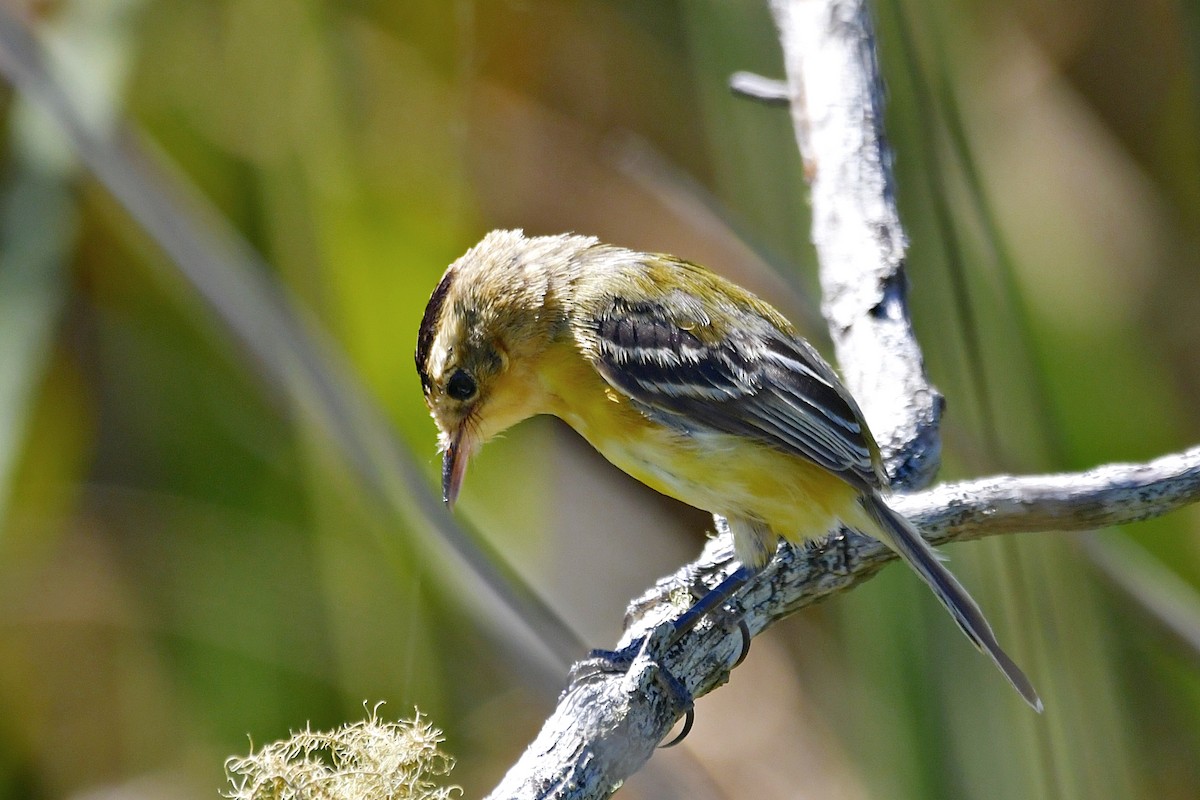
(710, 601)
(642, 653)
(602, 662)
(654, 599)
(640, 661)
(753, 543)
(692, 577)
(619, 660)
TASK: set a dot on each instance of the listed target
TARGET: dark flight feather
(756, 381)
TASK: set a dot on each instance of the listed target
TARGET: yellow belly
(720, 473)
(732, 476)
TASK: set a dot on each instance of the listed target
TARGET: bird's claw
(605, 662)
(641, 660)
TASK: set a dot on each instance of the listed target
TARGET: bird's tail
(900, 535)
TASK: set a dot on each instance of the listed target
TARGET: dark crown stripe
(428, 329)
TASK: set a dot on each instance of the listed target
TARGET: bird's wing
(752, 380)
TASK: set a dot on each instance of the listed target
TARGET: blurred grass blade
(936, 92)
(1168, 601)
(289, 350)
(967, 322)
(38, 215)
(38, 222)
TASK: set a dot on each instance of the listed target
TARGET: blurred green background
(188, 558)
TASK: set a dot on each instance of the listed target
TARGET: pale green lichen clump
(366, 760)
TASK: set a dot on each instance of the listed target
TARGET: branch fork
(836, 99)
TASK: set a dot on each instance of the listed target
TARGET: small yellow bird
(682, 379)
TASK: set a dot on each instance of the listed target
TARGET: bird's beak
(454, 466)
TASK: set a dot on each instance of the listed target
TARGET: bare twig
(1115, 494)
(608, 723)
(837, 108)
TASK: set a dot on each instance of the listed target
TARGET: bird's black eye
(461, 386)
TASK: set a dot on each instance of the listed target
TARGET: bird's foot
(640, 662)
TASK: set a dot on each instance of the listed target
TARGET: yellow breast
(717, 472)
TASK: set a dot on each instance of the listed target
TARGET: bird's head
(487, 323)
